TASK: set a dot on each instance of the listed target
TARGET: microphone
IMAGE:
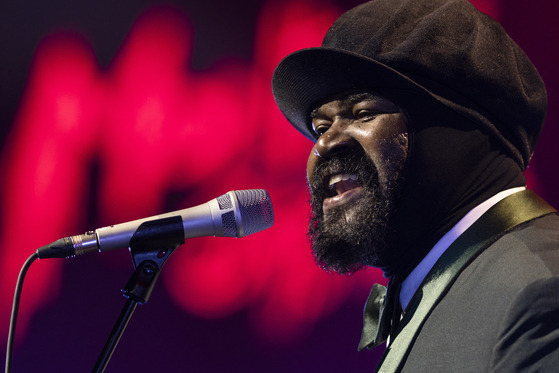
(235, 214)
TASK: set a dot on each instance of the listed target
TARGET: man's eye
(365, 114)
(320, 130)
(320, 126)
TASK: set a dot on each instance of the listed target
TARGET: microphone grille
(256, 211)
(224, 202)
(228, 220)
(229, 224)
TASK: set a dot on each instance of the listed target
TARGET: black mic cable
(15, 308)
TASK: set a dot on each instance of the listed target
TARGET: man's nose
(335, 141)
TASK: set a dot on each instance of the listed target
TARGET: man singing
(424, 115)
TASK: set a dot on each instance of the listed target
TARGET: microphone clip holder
(150, 247)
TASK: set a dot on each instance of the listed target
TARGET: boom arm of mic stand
(150, 247)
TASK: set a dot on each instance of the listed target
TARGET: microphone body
(234, 214)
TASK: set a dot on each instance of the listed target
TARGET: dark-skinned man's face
(353, 173)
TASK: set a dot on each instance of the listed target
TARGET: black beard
(345, 245)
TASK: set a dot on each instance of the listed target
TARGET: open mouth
(341, 183)
(341, 188)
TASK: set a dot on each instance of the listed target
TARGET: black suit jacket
(498, 312)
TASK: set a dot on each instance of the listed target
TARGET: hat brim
(306, 77)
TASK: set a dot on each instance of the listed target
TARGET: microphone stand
(150, 246)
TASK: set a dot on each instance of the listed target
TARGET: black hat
(443, 50)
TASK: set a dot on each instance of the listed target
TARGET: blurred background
(117, 110)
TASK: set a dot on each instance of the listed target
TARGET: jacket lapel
(516, 209)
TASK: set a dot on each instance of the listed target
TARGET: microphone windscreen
(255, 207)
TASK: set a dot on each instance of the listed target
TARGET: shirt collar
(414, 279)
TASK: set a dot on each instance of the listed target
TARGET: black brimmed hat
(442, 50)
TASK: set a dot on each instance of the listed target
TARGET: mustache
(355, 163)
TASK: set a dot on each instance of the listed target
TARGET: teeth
(335, 179)
(340, 177)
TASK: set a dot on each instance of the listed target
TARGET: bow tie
(381, 314)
